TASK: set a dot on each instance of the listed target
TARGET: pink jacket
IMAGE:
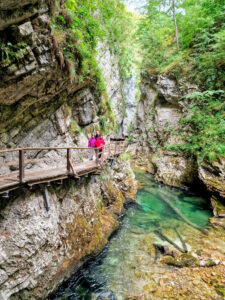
(92, 143)
(100, 143)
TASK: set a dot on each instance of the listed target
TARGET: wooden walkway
(23, 177)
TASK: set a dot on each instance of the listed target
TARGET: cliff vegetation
(195, 55)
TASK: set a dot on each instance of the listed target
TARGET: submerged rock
(184, 260)
(107, 296)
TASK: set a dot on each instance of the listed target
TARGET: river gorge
(146, 221)
(156, 254)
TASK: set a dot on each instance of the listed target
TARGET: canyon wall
(41, 106)
(157, 127)
(39, 250)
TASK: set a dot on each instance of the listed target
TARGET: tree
(175, 24)
(168, 7)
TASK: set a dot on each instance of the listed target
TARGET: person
(100, 143)
(97, 135)
(92, 145)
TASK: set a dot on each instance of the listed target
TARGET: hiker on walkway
(100, 143)
(92, 145)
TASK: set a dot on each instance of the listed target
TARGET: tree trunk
(175, 24)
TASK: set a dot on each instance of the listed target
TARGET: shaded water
(128, 262)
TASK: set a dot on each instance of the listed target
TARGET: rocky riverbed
(157, 254)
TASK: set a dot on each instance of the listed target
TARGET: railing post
(119, 148)
(97, 159)
(21, 165)
(68, 160)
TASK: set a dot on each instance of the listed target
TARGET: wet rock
(184, 260)
(162, 248)
(213, 176)
(106, 296)
(218, 222)
(218, 207)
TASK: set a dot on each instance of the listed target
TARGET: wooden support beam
(96, 155)
(21, 166)
(68, 160)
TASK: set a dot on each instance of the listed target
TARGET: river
(131, 264)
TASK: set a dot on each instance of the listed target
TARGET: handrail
(55, 148)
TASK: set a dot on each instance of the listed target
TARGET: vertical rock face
(37, 252)
(129, 92)
(213, 176)
(157, 129)
(122, 93)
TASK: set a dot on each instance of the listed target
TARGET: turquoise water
(130, 254)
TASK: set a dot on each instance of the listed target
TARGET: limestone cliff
(38, 252)
(41, 105)
(157, 127)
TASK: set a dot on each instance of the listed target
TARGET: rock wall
(40, 106)
(38, 252)
(157, 127)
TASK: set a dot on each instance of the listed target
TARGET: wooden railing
(109, 150)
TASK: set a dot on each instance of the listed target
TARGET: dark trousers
(99, 153)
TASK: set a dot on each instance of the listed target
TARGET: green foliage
(125, 156)
(75, 128)
(86, 22)
(130, 138)
(207, 124)
(202, 41)
(201, 60)
(9, 52)
(77, 31)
